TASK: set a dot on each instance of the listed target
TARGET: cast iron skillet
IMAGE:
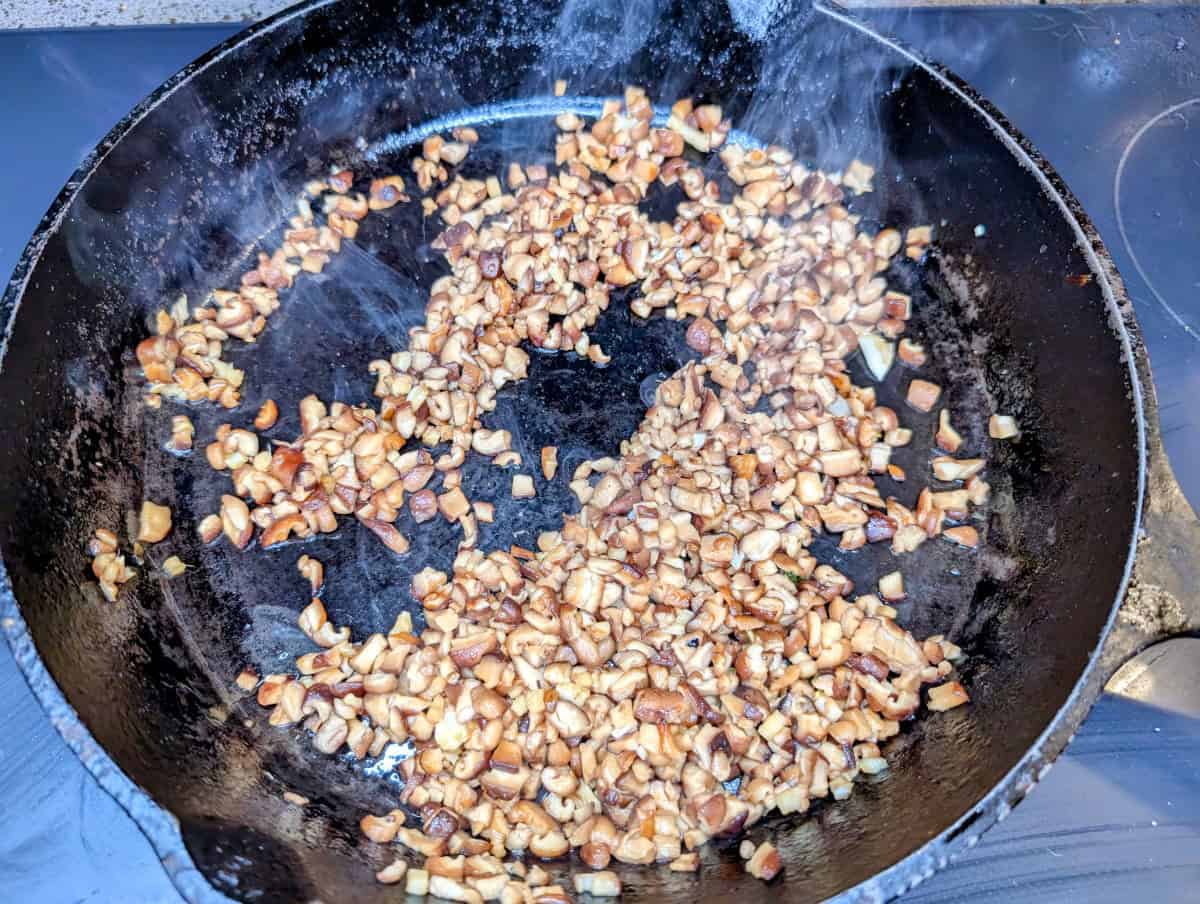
(1016, 304)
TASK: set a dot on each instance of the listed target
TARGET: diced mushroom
(522, 487)
(1002, 426)
(549, 461)
(964, 536)
(911, 353)
(945, 468)
(765, 862)
(417, 883)
(760, 545)
(878, 354)
(267, 415)
(392, 873)
(923, 395)
(453, 504)
(891, 586)
(947, 696)
(947, 437)
(154, 522)
(604, 884)
(235, 521)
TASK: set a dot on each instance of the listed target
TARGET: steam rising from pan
(510, 113)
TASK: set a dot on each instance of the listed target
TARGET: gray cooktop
(1101, 91)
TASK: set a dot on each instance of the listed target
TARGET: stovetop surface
(1110, 95)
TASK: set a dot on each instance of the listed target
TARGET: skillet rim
(161, 828)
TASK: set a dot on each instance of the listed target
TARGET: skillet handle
(1163, 599)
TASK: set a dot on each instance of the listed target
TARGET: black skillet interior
(184, 196)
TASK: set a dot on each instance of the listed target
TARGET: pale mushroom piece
(108, 565)
(392, 873)
(946, 436)
(154, 522)
(209, 528)
(947, 696)
(685, 863)
(916, 240)
(454, 152)
(891, 586)
(950, 469)
(911, 353)
(509, 457)
(878, 353)
(182, 434)
(522, 487)
(765, 862)
(603, 884)
(424, 505)
(857, 176)
(453, 505)
(312, 571)
(761, 544)
(1002, 426)
(416, 882)
(964, 535)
